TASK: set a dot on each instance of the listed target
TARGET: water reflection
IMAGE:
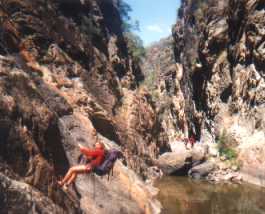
(186, 196)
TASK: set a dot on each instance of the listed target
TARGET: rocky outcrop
(25, 199)
(174, 163)
(182, 161)
(66, 63)
(220, 44)
(201, 171)
(163, 76)
(123, 189)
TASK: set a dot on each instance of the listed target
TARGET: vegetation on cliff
(134, 42)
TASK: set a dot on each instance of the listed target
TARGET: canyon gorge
(68, 77)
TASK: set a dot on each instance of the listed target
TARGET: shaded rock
(19, 197)
(174, 162)
(201, 170)
(154, 173)
(163, 80)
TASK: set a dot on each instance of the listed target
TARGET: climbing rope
(94, 185)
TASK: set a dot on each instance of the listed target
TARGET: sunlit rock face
(220, 45)
(163, 77)
(69, 59)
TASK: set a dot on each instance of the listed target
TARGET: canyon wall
(220, 45)
(163, 80)
(66, 78)
(214, 88)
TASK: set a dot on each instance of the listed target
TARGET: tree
(135, 46)
(124, 10)
(134, 42)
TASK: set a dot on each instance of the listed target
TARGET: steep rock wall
(60, 59)
(221, 47)
(163, 77)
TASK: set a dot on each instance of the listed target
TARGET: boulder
(19, 197)
(175, 162)
(201, 170)
(251, 157)
(177, 146)
(123, 192)
(181, 159)
(199, 152)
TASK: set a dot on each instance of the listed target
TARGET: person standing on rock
(96, 156)
(190, 140)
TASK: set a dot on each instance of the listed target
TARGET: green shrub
(228, 152)
(225, 146)
(129, 26)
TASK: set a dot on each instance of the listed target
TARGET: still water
(181, 195)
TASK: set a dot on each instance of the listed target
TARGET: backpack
(107, 166)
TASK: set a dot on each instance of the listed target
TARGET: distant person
(190, 141)
(96, 156)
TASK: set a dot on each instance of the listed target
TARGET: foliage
(225, 146)
(134, 42)
(124, 10)
(135, 46)
(127, 24)
(130, 26)
(228, 152)
(88, 27)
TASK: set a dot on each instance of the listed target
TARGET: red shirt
(192, 140)
(97, 155)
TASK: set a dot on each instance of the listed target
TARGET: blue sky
(155, 16)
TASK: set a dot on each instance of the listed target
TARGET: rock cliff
(66, 77)
(214, 88)
(163, 76)
(220, 45)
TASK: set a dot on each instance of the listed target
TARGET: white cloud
(155, 28)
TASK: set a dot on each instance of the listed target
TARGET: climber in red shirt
(95, 155)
